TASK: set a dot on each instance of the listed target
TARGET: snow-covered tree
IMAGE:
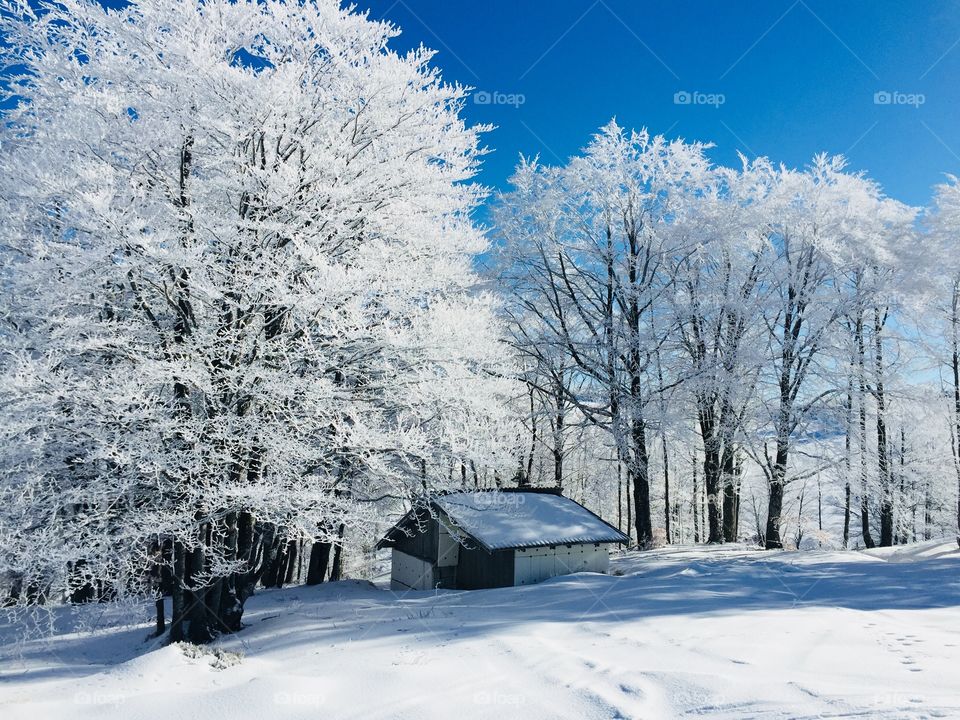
(935, 257)
(586, 247)
(240, 304)
(716, 307)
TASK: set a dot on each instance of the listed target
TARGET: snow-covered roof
(500, 520)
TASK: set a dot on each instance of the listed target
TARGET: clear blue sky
(796, 77)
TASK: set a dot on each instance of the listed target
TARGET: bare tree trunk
(666, 486)
(731, 492)
(666, 452)
(798, 538)
(319, 559)
(182, 595)
(178, 597)
(848, 407)
(711, 474)
(696, 502)
(886, 494)
(290, 562)
(230, 607)
(558, 434)
(778, 474)
(819, 504)
(775, 503)
(619, 494)
(902, 502)
(864, 492)
(533, 438)
(249, 548)
(641, 484)
(272, 555)
(197, 622)
(336, 568)
(955, 366)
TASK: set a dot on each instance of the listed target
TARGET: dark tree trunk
(865, 522)
(862, 386)
(178, 595)
(666, 488)
(955, 367)
(200, 623)
(247, 547)
(619, 496)
(279, 572)
(319, 560)
(533, 441)
(784, 428)
(336, 569)
(161, 619)
(775, 504)
(848, 407)
(886, 490)
(629, 484)
(641, 484)
(156, 577)
(819, 505)
(696, 502)
(731, 495)
(795, 357)
(230, 605)
(82, 588)
(213, 593)
(293, 553)
(271, 556)
(711, 476)
(846, 514)
(638, 430)
(902, 502)
(559, 420)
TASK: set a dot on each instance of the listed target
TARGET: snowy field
(715, 632)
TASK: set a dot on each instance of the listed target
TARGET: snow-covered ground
(712, 632)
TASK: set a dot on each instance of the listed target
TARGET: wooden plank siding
(421, 545)
(481, 569)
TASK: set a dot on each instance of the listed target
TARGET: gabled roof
(519, 519)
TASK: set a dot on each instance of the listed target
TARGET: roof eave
(554, 543)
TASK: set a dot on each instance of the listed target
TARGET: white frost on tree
(237, 264)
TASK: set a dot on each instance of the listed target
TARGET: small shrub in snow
(217, 658)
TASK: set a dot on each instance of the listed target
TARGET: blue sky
(796, 77)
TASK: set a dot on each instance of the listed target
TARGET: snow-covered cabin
(487, 539)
